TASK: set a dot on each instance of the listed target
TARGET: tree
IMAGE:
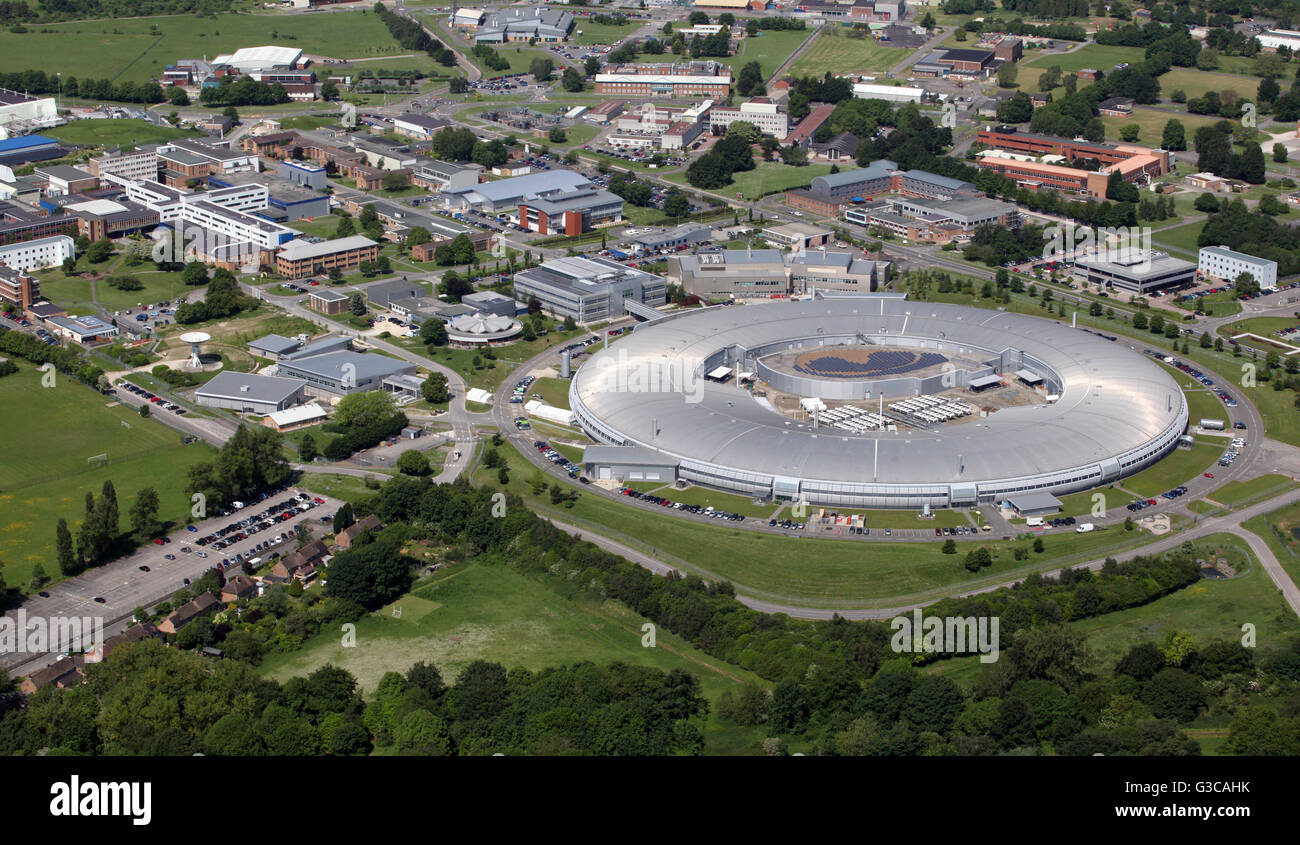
(434, 389)
(557, 135)
(676, 205)
(950, 546)
(358, 303)
(1007, 74)
(434, 332)
(413, 462)
(307, 450)
(68, 562)
(1279, 153)
(541, 69)
(1174, 136)
(329, 90)
(357, 410)
(99, 251)
(1207, 203)
(1038, 545)
(572, 80)
(346, 228)
(144, 512)
(344, 518)
(417, 235)
(1130, 132)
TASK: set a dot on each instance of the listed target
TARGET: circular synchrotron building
(873, 401)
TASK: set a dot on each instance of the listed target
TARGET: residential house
(185, 614)
(345, 538)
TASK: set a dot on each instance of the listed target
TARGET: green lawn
(127, 49)
(1152, 123)
(770, 50)
(113, 133)
(75, 292)
(1237, 493)
(599, 33)
(1195, 83)
(810, 572)
(554, 391)
(1180, 466)
(1092, 56)
(839, 54)
(322, 227)
(349, 488)
(477, 611)
(309, 122)
(1181, 239)
(63, 426)
(1262, 326)
(767, 178)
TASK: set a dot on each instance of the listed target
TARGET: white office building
(769, 117)
(892, 93)
(1222, 263)
(38, 254)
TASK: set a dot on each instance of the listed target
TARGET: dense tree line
(61, 10)
(362, 433)
(66, 360)
(39, 82)
(461, 144)
(244, 91)
(148, 699)
(1255, 233)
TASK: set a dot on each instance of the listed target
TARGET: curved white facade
(1117, 411)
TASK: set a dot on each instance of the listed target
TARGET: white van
(1034, 521)
(254, 562)
(1084, 528)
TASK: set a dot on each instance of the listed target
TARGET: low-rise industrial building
(251, 393)
(343, 371)
(933, 220)
(771, 273)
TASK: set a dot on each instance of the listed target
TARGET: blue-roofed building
(29, 148)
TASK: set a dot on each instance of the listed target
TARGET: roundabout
(689, 395)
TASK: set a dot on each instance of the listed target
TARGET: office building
(37, 254)
(1137, 271)
(589, 289)
(250, 393)
(1221, 263)
(298, 259)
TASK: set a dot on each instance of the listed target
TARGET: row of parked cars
(261, 521)
(1141, 504)
(548, 452)
(521, 390)
(1174, 493)
(156, 400)
(788, 524)
(1234, 450)
(709, 511)
(1059, 522)
(1187, 368)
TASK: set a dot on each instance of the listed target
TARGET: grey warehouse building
(1108, 412)
(251, 393)
(343, 372)
(764, 273)
(589, 289)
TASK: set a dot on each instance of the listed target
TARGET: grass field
(1194, 83)
(810, 572)
(75, 292)
(128, 49)
(349, 488)
(1236, 493)
(768, 177)
(1092, 56)
(770, 50)
(838, 54)
(114, 133)
(1152, 123)
(309, 122)
(554, 391)
(1179, 466)
(599, 33)
(1181, 239)
(1262, 326)
(485, 612)
(70, 423)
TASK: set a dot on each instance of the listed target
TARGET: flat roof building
(588, 289)
(343, 372)
(250, 393)
(1219, 262)
(298, 259)
(1138, 271)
